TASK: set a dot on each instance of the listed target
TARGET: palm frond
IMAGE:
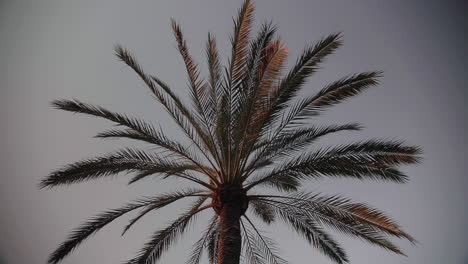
(265, 245)
(308, 230)
(198, 90)
(290, 142)
(332, 94)
(272, 64)
(163, 238)
(214, 83)
(164, 200)
(251, 251)
(262, 211)
(280, 182)
(363, 231)
(240, 42)
(197, 251)
(306, 65)
(251, 83)
(125, 133)
(78, 235)
(371, 159)
(234, 74)
(135, 124)
(279, 97)
(212, 246)
(348, 211)
(140, 130)
(128, 159)
(345, 210)
(265, 74)
(189, 124)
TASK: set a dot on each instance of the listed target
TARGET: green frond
(214, 83)
(371, 159)
(240, 42)
(332, 94)
(306, 65)
(212, 245)
(264, 66)
(251, 252)
(189, 124)
(197, 250)
(164, 238)
(128, 159)
(345, 210)
(164, 200)
(265, 213)
(78, 235)
(199, 90)
(339, 221)
(289, 142)
(138, 129)
(266, 246)
(232, 86)
(281, 182)
(250, 87)
(309, 230)
(137, 125)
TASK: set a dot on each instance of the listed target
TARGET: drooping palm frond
(308, 229)
(266, 246)
(165, 200)
(344, 210)
(341, 220)
(212, 245)
(263, 211)
(353, 213)
(281, 183)
(200, 245)
(252, 253)
(93, 225)
(163, 238)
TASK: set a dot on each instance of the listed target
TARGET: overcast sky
(63, 49)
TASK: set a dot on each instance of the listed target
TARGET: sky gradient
(55, 49)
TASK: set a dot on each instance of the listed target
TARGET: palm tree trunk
(229, 243)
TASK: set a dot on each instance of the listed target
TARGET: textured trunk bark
(229, 243)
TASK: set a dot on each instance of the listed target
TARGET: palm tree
(247, 130)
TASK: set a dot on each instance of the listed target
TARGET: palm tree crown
(248, 130)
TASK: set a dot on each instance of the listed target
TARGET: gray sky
(63, 49)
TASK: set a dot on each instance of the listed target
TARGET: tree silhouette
(248, 129)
